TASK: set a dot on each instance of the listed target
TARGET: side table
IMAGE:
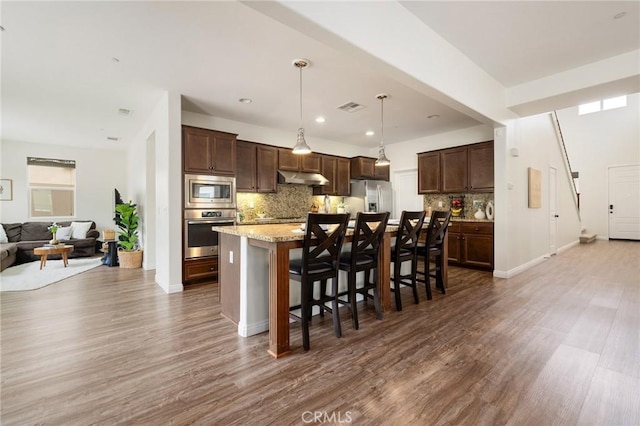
(111, 253)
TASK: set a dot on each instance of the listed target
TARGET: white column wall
(164, 129)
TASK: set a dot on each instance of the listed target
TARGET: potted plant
(128, 220)
(53, 228)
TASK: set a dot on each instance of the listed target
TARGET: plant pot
(130, 259)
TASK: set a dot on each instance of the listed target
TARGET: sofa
(24, 237)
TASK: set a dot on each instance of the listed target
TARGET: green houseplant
(128, 221)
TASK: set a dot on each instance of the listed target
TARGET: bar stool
(405, 250)
(433, 248)
(367, 237)
(324, 236)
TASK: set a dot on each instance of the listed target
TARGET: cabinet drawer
(201, 269)
(477, 228)
(454, 227)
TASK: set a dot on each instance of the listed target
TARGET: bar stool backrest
(324, 237)
(409, 231)
(437, 228)
(367, 235)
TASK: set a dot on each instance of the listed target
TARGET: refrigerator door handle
(380, 201)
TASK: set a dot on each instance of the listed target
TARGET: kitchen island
(254, 277)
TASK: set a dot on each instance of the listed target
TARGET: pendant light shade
(301, 146)
(382, 159)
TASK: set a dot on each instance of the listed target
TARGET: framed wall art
(535, 188)
(6, 190)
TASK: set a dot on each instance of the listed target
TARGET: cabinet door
(478, 250)
(328, 170)
(429, 173)
(454, 169)
(246, 166)
(362, 168)
(481, 166)
(310, 163)
(287, 160)
(197, 150)
(380, 172)
(267, 168)
(455, 243)
(343, 177)
(224, 154)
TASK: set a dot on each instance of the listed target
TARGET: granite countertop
(274, 233)
(272, 220)
(461, 219)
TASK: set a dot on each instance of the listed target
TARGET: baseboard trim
(602, 237)
(568, 246)
(519, 269)
(246, 330)
(171, 288)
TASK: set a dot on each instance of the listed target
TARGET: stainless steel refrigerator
(370, 196)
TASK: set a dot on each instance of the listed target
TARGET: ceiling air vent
(112, 139)
(123, 112)
(351, 107)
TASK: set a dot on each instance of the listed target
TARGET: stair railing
(570, 173)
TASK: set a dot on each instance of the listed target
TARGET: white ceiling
(60, 83)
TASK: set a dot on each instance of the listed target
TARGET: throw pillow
(64, 233)
(3, 235)
(79, 229)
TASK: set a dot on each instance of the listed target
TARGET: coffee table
(64, 250)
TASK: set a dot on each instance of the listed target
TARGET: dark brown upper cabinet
(365, 168)
(287, 160)
(466, 168)
(429, 173)
(208, 152)
(257, 167)
(453, 163)
(480, 174)
(343, 177)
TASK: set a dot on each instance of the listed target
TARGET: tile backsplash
(472, 201)
(289, 201)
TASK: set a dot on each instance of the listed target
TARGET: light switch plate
(230, 257)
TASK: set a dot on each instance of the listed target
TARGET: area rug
(28, 276)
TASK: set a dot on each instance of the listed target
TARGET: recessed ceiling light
(370, 133)
(320, 120)
(245, 100)
(114, 59)
(619, 15)
(431, 117)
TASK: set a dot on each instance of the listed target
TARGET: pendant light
(301, 145)
(382, 159)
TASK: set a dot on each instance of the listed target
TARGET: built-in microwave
(203, 192)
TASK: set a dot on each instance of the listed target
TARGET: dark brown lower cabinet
(200, 270)
(471, 244)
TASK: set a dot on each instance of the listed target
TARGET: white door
(624, 202)
(553, 211)
(405, 185)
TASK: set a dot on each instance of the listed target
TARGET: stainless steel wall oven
(199, 240)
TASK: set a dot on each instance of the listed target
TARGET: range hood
(313, 179)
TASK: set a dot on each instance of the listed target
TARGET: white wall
(98, 172)
(160, 201)
(595, 142)
(527, 230)
(270, 136)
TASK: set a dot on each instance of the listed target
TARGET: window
(611, 103)
(52, 187)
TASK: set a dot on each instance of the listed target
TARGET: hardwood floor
(557, 344)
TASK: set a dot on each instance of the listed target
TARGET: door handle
(556, 215)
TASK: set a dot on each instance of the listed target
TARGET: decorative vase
(53, 242)
(490, 210)
(479, 214)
